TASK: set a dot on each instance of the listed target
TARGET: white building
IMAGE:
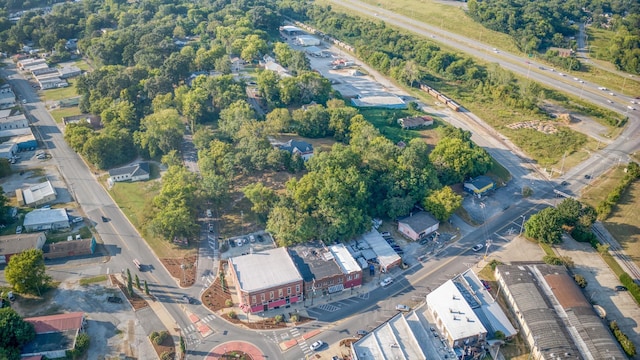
(307, 40)
(7, 97)
(8, 149)
(46, 219)
(37, 195)
(454, 317)
(14, 122)
(137, 172)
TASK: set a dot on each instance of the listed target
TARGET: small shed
(479, 185)
(418, 225)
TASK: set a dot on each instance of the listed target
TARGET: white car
(630, 107)
(477, 247)
(316, 345)
(401, 307)
(386, 282)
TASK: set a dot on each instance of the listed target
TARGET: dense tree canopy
(14, 333)
(26, 272)
(545, 226)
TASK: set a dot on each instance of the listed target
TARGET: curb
(286, 345)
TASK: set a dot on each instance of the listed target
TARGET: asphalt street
(125, 244)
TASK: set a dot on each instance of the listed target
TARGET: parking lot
(245, 244)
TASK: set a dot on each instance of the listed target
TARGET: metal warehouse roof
(265, 269)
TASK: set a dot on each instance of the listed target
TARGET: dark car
(260, 238)
(104, 219)
(621, 288)
(114, 299)
(587, 176)
(564, 183)
(232, 243)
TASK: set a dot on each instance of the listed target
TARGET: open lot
(59, 94)
(624, 222)
(58, 114)
(599, 188)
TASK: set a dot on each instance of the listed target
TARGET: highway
(124, 243)
(628, 142)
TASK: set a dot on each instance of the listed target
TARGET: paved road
(120, 238)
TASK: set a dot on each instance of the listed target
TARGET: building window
(348, 277)
(262, 297)
(297, 289)
(340, 280)
(330, 282)
(289, 290)
(357, 276)
(253, 299)
(271, 295)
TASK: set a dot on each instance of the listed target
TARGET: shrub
(167, 355)
(499, 335)
(580, 280)
(622, 338)
(631, 285)
(527, 191)
(558, 260)
(159, 338)
(494, 263)
(228, 303)
(154, 335)
(81, 347)
(279, 319)
(232, 315)
(295, 318)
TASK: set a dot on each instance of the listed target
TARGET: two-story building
(266, 280)
(325, 270)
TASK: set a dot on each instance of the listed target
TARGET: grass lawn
(59, 94)
(93, 280)
(132, 198)
(624, 222)
(600, 187)
(82, 65)
(58, 114)
(386, 121)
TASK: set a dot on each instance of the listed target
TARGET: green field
(59, 94)
(600, 187)
(134, 199)
(624, 222)
(453, 18)
(58, 114)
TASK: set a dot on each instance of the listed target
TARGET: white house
(7, 97)
(302, 148)
(137, 172)
(46, 219)
(37, 195)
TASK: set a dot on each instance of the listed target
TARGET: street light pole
(522, 226)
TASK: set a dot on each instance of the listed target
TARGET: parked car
(260, 238)
(19, 229)
(209, 214)
(486, 284)
(386, 233)
(564, 183)
(10, 296)
(477, 247)
(587, 176)
(114, 299)
(210, 227)
(316, 345)
(239, 242)
(621, 288)
(104, 219)
(362, 332)
(401, 307)
(386, 282)
(232, 243)
(252, 238)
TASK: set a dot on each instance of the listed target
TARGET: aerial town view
(331, 180)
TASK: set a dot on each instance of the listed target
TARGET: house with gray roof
(266, 280)
(301, 148)
(136, 172)
(15, 244)
(418, 225)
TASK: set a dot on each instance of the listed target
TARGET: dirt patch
(166, 346)
(136, 301)
(215, 298)
(182, 269)
(546, 127)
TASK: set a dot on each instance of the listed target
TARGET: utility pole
(562, 167)
(522, 226)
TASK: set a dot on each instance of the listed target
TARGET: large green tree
(26, 272)
(442, 203)
(545, 226)
(456, 159)
(14, 333)
(160, 132)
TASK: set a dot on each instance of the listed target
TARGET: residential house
(46, 219)
(415, 122)
(55, 334)
(70, 248)
(301, 148)
(418, 225)
(266, 280)
(69, 72)
(15, 244)
(136, 172)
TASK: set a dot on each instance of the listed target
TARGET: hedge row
(605, 207)
(631, 285)
(622, 338)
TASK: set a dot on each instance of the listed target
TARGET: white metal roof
(457, 317)
(37, 192)
(386, 255)
(392, 340)
(45, 216)
(265, 269)
(344, 259)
